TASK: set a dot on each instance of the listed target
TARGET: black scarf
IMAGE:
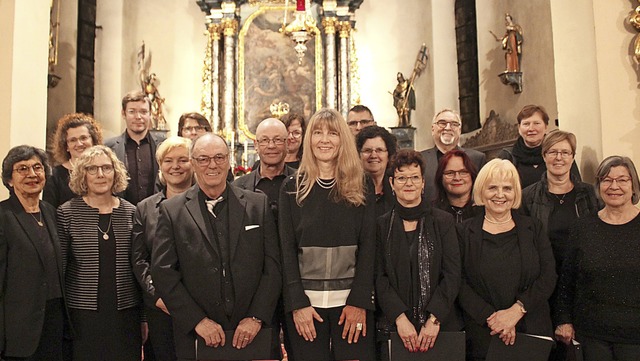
(413, 213)
(526, 155)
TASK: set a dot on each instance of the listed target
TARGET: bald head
(271, 143)
(271, 125)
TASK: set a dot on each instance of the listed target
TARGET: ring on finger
(359, 326)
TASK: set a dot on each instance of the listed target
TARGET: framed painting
(269, 71)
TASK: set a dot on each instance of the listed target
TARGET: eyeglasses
(443, 124)
(194, 129)
(363, 122)
(450, 174)
(403, 180)
(142, 112)
(296, 134)
(264, 142)
(93, 169)
(563, 153)
(82, 139)
(369, 151)
(204, 160)
(38, 168)
(608, 182)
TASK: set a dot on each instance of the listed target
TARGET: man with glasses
(446, 128)
(136, 147)
(216, 263)
(358, 118)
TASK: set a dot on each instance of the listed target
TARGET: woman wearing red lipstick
(454, 180)
(508, 270)
(598, 291)
(417, 263)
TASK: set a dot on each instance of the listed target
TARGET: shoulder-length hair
(350, 177)
(497, 169)
(18, 154)
(442, 164)
(78, 176)
(202, 121)
(287, 119)
(618, 161)
(73, 120)
(171, 143)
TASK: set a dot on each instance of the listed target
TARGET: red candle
(300, 5)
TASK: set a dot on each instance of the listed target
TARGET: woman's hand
(407, 333)
(505, 320)
(355, 322)
(508, 336)
(428, 334)
(565, 333)
(303, 319)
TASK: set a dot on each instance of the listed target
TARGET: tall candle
(300, 5)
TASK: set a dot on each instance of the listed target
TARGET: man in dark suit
(267, 177)
(217, 261)
(445, 130)
(136, 147)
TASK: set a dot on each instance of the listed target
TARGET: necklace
(325, 184)
(561, 200)
(496, 222)
(39, 221)
(105, 234)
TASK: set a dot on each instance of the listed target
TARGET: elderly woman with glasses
(508, 270)
(176, 174)
(193, 125)
(598, 291)
(454, 180)
(296, 127)
(31, 284)
(95, 236)
(376, 146)
(75, 133)
(417, 264)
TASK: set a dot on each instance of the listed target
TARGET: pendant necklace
(561, 200)
(36, 219)
(325, 184)
(105, 234)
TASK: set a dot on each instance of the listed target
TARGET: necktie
(212, 203)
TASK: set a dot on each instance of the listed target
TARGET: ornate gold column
(210, 105)
(345, 97)
(230, 31)
(329, 25)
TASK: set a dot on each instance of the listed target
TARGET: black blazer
(248, 181)
(23, 290)
(430, 157)
(145, 223)
(185, 262)
(537, 281)
(393, 273)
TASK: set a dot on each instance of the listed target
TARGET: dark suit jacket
(117, 144)
(430, 157)
(23, 287)
(393, 268)
(185, 263)
(248, 181)
(537, 280)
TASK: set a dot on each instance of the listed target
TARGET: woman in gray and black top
(95, 236)
(328, 247)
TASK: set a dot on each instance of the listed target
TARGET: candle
(300, 5)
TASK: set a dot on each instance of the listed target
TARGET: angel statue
(149, 87)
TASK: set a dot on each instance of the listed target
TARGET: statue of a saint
(512, 44)
(404, 100)
(149, 87)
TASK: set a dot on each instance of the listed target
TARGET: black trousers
(50, 346)
(598, 350)
(161, 334)
(329, 345)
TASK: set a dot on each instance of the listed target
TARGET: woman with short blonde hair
(326, 223)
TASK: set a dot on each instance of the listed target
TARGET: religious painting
(269, 71)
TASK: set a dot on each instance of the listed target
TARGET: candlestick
(300, 5)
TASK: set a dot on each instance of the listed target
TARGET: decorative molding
(494, 135)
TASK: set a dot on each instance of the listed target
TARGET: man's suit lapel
(193, 207)
(237, 211)
(119, 149)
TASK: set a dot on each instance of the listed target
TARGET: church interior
(229, 60)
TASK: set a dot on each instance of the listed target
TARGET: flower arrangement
(239, 171)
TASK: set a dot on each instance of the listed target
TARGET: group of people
(337, 238)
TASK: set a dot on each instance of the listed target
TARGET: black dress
(106, 334)
(56, 190)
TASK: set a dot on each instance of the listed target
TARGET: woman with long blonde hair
(328, 245)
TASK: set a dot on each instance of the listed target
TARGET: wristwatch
(259, 321)
(522, 309)
(434, 319)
